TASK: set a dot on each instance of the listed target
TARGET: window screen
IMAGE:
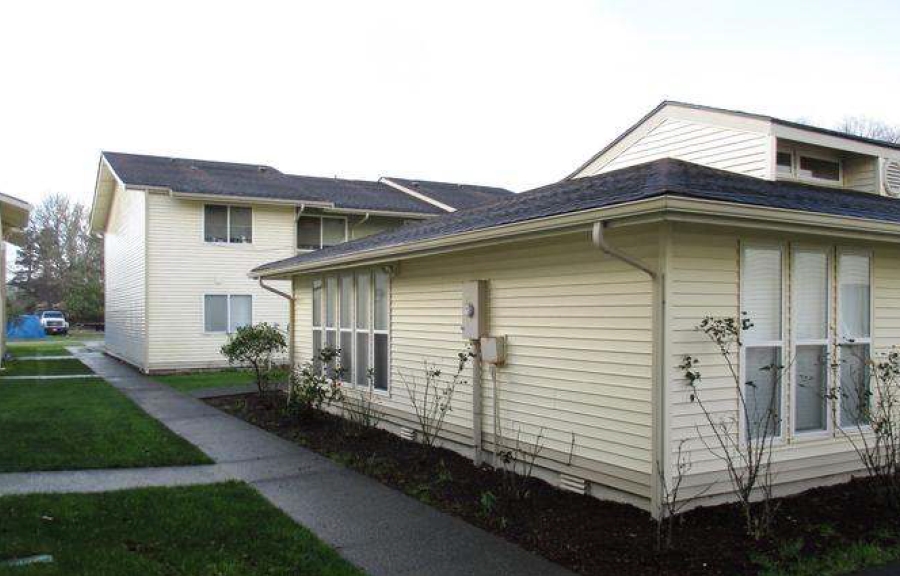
(215, 223)
(309, 233)
(241, 225)
(241, 312)
(820, 169)
(785, 163)
(334, 231)
(215, 313)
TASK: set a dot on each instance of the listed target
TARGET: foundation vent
(407, 433)
(573, 484)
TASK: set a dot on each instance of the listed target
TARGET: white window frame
(320, 218)
(351, 377)
(227, 241)
(797, 153)
(228, 297)
(828, 342)
(840, 339)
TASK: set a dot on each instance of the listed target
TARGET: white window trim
(828, 343)
(319, 217)
(354, 330)
(796, 154)
(228, 241)
(228, 296)
(782, 343)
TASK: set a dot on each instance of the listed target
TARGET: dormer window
(791, 163)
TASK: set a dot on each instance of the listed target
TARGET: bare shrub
(874, 432)
(746, 453)
(432, 396)
(673, 504)
(360, 407)
(517, 462)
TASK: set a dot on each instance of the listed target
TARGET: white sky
(515, 94)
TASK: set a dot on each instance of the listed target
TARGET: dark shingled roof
(258, 181)
(641, 182)
(459, 196)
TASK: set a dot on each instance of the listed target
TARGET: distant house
(597, 283)
(180, 236)
(13, 220)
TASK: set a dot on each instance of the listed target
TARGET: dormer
(754, 145)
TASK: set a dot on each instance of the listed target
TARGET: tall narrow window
(363, 306)
(317, 321)
(761, 303)
(215, 223)
(330, 317)
(382, 312)
(346, 326)
(854, 336)
(810, 280)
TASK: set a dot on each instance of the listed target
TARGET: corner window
(819, 169)
(315, 232)
(226, 312)
(353, 315)
(227, 224)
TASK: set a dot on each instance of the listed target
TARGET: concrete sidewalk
(379, 529)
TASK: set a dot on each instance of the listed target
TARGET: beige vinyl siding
(183, 268)
(125, 265)
(861, 174)
(704, 280)
(715, 146)
(579, 342)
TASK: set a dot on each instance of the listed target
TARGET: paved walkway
(377, 528)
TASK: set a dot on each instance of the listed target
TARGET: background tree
(870, 128)
(60, 265)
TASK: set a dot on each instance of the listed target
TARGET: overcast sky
(514, 94)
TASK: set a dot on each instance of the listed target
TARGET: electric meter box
(474, 309)
(493, 350)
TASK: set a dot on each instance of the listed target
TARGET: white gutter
(291, 306)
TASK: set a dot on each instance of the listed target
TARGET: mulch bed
(587, 535)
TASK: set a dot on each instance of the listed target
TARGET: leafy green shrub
(255, 346)
(310, 388)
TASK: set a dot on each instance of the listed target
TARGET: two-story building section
(181, 235)
(755, 145)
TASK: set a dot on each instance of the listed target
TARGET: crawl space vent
(892, 178)
(407, 433)
(573, 484)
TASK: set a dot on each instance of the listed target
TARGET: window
(353, 316)
(761, 302)
(227, 224)
(819, 169)
(854, 336)
(785, 163)
(314, 232)
(226, 313)
(810, 279)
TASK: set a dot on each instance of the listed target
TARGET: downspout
(659, 464)
(291, 306)
(360, 223)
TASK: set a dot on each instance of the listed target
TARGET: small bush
(310, 388)
(256, 346)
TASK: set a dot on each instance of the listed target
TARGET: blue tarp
(25, 326)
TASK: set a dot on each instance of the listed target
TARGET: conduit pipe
(291, 302)
(658, 394)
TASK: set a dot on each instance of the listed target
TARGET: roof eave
(668, 206)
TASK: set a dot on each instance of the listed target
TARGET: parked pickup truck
(54, 322)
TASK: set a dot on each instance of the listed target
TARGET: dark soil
(587, 535)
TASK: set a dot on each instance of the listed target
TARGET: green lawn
(203, 380)
(43, 367)
(222, 529)
(79, 424)
(48, 349)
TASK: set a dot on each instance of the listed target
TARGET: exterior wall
(125, 286)
(373, 225)
(183, 268)
(720, 147)
(580, 346)
(704, 276)
(861, 174)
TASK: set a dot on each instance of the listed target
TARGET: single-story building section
(598, 285)
(14, 215)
